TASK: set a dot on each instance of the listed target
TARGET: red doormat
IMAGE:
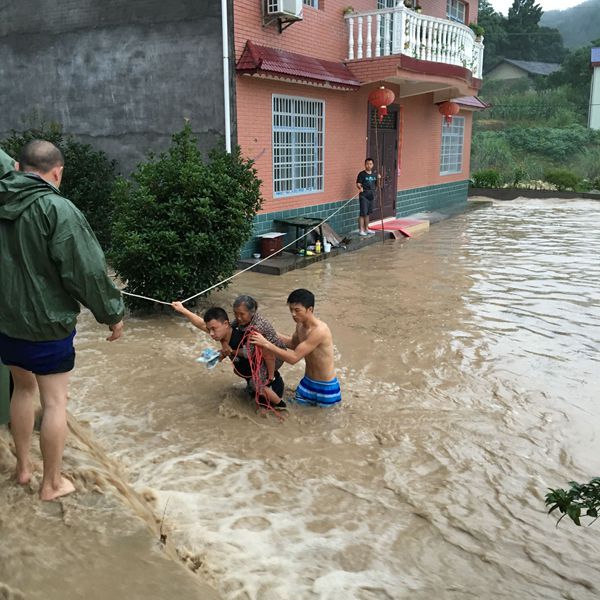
(395, 225)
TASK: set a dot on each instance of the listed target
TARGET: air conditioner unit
(291, 9)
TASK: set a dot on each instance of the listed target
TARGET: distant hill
(578, 25)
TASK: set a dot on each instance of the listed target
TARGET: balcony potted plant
(478, 30)
(418, 8)
(348, 10)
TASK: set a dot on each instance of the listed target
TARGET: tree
(89, 174)
(181, 223)
(495, 37)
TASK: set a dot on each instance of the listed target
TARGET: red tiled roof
(472, 102)
(273, 62)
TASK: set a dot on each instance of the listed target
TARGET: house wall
(323, 34)
(594, 114)
(437, 8)
(120, 75)
(506, 71)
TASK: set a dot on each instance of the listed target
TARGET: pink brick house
(301, 94)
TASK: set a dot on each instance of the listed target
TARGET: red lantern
(449, 109)
(380, 98)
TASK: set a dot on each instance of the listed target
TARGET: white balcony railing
(401, 30)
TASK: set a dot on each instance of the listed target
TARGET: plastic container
(318, 247)
(326, 247)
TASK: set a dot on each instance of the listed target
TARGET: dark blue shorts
(41, 358)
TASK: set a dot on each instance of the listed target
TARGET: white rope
(212, 287)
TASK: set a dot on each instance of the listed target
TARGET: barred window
(451, 153)
(456, 10)
(298, 141)
(313, 3)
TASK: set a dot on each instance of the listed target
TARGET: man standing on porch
(367, 182)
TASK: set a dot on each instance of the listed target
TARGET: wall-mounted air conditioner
(287, 9)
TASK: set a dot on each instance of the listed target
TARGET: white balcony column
(359, 39)
(351, 38)
(387, 30)
(429, 46)
(369, 35)
(399, 31)
(378, 35)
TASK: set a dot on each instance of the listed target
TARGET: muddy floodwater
(470, 371)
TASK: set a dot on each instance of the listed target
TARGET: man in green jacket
(50, 263)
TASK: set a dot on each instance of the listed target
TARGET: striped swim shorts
(318, 393)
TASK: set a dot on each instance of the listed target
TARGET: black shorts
(276, 385)
(365, 203)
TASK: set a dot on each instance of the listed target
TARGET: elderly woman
(246, 318)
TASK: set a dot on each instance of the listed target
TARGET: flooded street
(470, 367)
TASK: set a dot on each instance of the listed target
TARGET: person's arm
(269, 359)
(193, 318)
(289, 356)
(359, 183)
(80, 262)
(288, 340)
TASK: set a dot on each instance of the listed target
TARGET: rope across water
(220, 283)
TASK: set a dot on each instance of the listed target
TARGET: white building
(594, 114)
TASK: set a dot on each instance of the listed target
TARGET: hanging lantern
(449, 109)
(380, 98)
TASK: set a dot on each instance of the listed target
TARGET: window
(452, 146)
(313, 3)
(456, 10)
(298, 139)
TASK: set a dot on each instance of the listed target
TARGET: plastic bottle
(318, 247)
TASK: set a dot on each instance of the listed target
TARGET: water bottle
(318, 247)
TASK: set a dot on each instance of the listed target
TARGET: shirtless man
(312, 342)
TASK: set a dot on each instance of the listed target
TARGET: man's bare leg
(53, 433)
(21, 420)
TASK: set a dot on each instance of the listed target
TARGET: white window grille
(451, 153)
(298, 142)
(456, 10)
(313, 3)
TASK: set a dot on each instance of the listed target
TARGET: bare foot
(65, 487)
(24, 472)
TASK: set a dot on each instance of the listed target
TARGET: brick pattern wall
(322, 33)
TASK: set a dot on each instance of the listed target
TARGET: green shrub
(88, 177)
(490, 150)
(180, 225)
(563, 179)
(488, 178)
(556, 144)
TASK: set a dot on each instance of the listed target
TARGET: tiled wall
(431, 198)
(409, 202)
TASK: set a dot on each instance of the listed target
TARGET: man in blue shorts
(312, 341)
(50, 263)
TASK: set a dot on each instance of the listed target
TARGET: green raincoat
(6, 163)
(50, 262)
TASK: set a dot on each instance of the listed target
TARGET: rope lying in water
(220, 283)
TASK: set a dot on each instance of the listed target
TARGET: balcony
(402, 31)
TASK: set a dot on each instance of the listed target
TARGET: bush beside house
(180, 224)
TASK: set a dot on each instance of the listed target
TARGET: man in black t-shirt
(367, 182)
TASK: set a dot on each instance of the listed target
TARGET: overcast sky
(502, 6)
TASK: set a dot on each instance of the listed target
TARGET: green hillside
(578, 25)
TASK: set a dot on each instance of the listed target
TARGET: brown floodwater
(470, 367)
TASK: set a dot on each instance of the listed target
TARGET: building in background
(594, 112)
(521, 69)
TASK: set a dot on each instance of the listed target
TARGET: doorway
(382, 147)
